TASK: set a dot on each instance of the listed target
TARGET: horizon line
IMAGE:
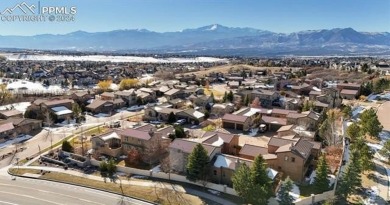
(161, 32)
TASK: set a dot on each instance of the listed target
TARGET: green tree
(198, 164)
(321, 181)
(230, 96)
(284, 197)
(171, 117)
(66, 146)
(351, 179)
(385, 151)
(370, 123)
(253, 184)
(224, 99)
(347, 112)
(111, 168)
(76, 111)
(354, 132)
(179, 132)
(212, 97)
(242, 182)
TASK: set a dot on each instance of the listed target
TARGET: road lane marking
(65, 195)
(5, 202)
(31, 197)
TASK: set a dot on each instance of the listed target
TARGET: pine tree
(370, 123)
(321, 181)
(246, 100)
(253, 184)
(198, 164)
(212, 97)
(259, 171)
(230, 96)
(350, 179)
(241, 182)
(354, 132)
(347, 112)
(284, 197)
(224, 99)
(171, 117)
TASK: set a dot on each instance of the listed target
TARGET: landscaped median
(154, 194)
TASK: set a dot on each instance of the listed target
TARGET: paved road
(36, 192)
(44, 140)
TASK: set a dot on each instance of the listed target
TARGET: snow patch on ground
(372, 193)
(156, 169)
(22, 106)
(331, 178)
(102, 115)
(31, 87)
(14, 141)
(214, 192)
(100, 58)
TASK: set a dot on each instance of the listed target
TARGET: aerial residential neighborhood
(155, 102)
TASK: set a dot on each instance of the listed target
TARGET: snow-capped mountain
(211, 39)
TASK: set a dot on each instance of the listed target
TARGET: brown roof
(108, 94)
(9, 113)
(320, 104)
(285, 128)
(348, 92)
(227, 138)
(295, 115)
(172, 91)
(252, 150)
(57, 102)
(274, 120)
(97, 103)
(316, 145)
(234, 118)
(6, 127)
(144, 135)
(278, 142)
(282, 111)
(353, 85)
(39, 101)
(81, 93)
(187, 146)
(146, 128)
(302, 148)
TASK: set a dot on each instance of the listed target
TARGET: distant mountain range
(212, 40)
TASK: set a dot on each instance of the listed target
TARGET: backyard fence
(171, 176)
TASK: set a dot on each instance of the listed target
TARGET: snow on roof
(218, 143)
(316, 89)
(112, 135)
(222, 162)
(252, 112)
(61, 110)
(271, 173)
(198, 114)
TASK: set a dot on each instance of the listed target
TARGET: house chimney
(151, 132)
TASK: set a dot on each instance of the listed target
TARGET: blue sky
(174, 15)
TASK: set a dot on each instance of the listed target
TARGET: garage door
(228, 125)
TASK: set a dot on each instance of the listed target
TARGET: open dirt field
(226, 68)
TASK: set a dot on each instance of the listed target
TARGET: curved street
(36, 192)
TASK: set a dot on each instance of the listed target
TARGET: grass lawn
(217, 94)
(158, 195)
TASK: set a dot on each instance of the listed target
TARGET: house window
(292, 159)
(286, 158)
(215, 172)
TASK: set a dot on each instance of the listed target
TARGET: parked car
(180, 122)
